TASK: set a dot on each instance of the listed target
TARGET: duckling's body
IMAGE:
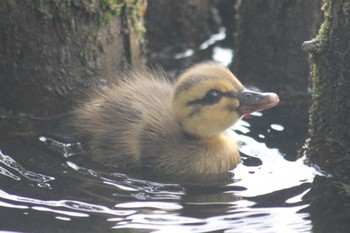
(172, 128)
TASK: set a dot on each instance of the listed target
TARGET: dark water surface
(43, 189)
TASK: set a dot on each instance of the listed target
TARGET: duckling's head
(208, 99)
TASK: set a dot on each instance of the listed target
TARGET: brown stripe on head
(206, 72)
(205, 99)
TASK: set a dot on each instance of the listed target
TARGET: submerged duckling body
(172, 128)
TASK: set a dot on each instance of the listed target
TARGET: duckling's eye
(212, 97)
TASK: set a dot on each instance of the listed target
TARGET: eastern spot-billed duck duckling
(144, 120)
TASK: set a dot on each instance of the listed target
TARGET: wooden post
(329, 146)
(52, 50)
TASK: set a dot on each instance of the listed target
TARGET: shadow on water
(46, 188)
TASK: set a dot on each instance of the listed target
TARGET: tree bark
(329, 146)
(329, 209)
(51, 49)
(267, 44)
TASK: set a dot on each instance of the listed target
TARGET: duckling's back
(114, 120)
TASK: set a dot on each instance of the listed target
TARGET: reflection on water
(10, 163)
(266, 193)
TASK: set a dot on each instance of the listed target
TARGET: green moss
(315, 95)
(114, 6)
(134, 12)
(317, 59)
(109, 9)
(323, 30)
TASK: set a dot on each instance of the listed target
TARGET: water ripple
(69, 204)
(11, 163)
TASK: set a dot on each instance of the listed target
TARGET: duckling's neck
(215, 142)
(222, 153)
(218, 153)
(191, 136)
(219, 142)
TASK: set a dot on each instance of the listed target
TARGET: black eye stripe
(230, 94)
(213, 97)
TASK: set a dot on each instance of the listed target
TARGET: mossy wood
(51, 49)
(330, 111)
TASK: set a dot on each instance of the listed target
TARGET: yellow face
(205, 100)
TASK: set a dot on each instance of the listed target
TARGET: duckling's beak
(251, 101)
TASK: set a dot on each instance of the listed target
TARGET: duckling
(144, 120)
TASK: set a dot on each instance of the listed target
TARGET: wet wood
(330, 111)
(268, 42)
(50, 50)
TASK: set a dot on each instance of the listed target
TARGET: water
(46, 187)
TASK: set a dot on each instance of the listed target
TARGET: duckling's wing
(114, 119)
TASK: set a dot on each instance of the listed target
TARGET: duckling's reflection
(147, 195)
